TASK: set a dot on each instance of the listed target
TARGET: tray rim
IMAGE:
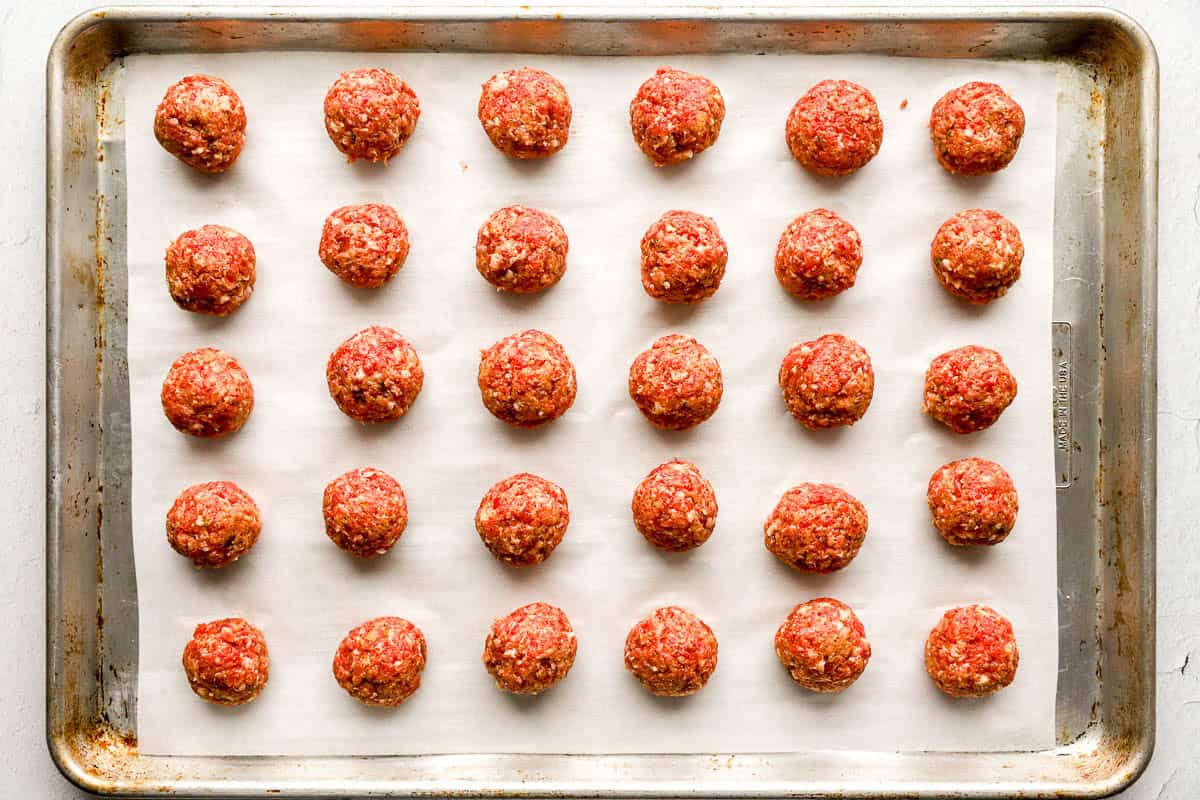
(66, 758)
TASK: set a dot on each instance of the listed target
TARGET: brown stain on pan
(542, 36)
(675, 36)
(110, 759)
(373, 35)
(1095, 110)
(101, 239)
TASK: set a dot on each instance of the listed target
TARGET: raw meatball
(521, 249)
(971, 652)
(967, 389)
(818, 256)
(526, 379)
(226, 661)
(835, 129)
(525, 112)
(816, 527)
(973, 501)
(364, 245)
(207, 393)
(676, 115)
(380, 662)
(531, 649)
(976, 129)
(672, 652)
(210, 270)
(201, 121)
(675, 507)
(522, 519)
(375, 375)
(676, 383)
(683, 258)
(827, 382)
(365, 512)
(823, 645)
(213, 524)
(977, 255)
(370, 113)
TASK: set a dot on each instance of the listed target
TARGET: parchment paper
(305, 594)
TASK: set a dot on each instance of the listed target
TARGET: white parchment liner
(305, 594)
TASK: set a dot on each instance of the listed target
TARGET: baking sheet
(305, 594)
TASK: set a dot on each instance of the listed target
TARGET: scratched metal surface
(1103, 389)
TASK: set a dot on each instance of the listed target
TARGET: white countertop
(25, 35)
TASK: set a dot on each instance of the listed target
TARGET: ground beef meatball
(201, 121)
(213, 524)
(531, 649)
(973, 501)
(375, 375)
(676, 115)
(683, 258)
(525, 112)
(818, 256)
(522, 519)
(370, 113)
(226, 661)
(521, 249)
(835, 129)
(210, 270)
(823, 645)
(380, 662)
(816, 527)
(364, 245)
(526, 379)
(967, 389)
(675, 507)
(676, 383)
(976, 129)
(827, 382)
(365, 512)
(207, 393)
(672, 652)
(971, 652)
(977, 255)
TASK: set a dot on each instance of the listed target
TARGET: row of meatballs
(833, 129)
(527, 380)
(522, 519)
(976, 255)
(970, 652)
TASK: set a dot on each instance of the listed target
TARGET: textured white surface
(25, 35)
(447, 450)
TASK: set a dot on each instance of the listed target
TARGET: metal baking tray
(1100, 380)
